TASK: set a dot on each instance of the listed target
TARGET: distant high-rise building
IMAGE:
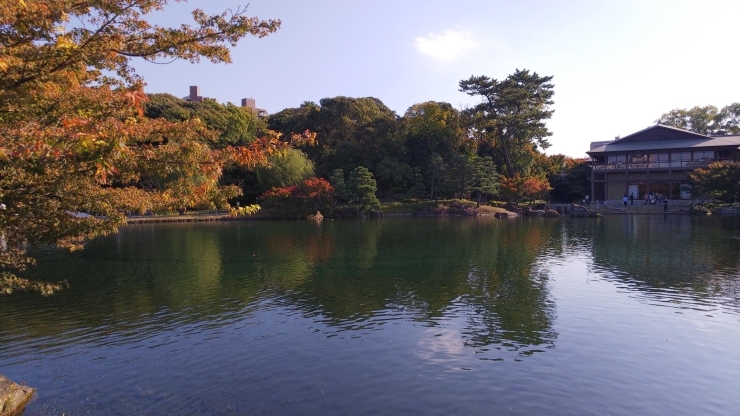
(194, 94)
(251, 104)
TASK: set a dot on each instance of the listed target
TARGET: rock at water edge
(13, 397)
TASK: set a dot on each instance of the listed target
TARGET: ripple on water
(415, 317)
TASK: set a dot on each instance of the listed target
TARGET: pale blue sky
(617, 65)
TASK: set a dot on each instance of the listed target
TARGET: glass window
(638, 160)
(616, 161)
(659, 160)
(724, 154)
(685, 191)
(681, 159)
(703, 157)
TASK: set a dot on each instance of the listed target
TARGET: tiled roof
(658, 132)
(668, 144)
(660, 137)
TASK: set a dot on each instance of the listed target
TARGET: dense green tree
(702, 120)
(484, 179)
(418, 189)
(289, 168)
(459, 175)
(350, 132)
(721, 181)
(235, 125)
(730, 116)
(569, 178)
(435, 172)
(705, 120)
(362, 188)
(510, 119)
(340, 187)
(432, 127)
(391, 173)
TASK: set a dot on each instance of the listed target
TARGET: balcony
(680, 165)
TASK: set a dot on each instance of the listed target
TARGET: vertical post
(593, 187)
(648, 181)
(670, 178)
(626, 174)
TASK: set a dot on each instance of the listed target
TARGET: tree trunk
(507, 160)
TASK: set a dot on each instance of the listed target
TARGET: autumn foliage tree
(524, 188)
(74, 139)
(720, 180)
(314, 194)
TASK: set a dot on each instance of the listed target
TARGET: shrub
(314, 194)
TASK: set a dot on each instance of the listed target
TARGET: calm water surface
(619, 315)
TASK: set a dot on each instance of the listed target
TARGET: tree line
(433, 151)
(83, 145)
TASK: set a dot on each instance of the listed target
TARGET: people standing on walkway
(625, 199)
(647, 198)
(632, 198)
(665, 204)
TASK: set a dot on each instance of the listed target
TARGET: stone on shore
(513, 207)
(13, 397)
(536, 213)
(315, 216)
(582, 211)
(551, 213)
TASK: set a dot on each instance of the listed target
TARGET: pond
(616, 315)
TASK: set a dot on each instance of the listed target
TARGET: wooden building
(655, 161)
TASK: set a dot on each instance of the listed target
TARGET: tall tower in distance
(194, 95)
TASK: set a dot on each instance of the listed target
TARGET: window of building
(724, 154)
(616, 161)
(681, 159)
(638, 160)
(703, 157)
(659, 160)
(685, 189)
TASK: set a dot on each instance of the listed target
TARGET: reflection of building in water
(655, 161)
(687, 260)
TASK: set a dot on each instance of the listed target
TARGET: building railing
(689, 164)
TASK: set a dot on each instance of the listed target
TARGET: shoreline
(257, 217)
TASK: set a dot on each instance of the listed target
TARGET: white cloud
(447, 46)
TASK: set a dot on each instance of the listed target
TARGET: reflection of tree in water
(124, 280)
(508, 294)
(426, 268)
(349, 274)
(692, 261)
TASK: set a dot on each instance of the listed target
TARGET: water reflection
(447, 314)
(489, 277)
(684, 261)
(479, 277)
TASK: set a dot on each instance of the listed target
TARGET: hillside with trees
(84, 146)
(78, 152)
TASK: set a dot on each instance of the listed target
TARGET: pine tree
(418, 189)
(340, 187)
(362, 187)
(485, 179)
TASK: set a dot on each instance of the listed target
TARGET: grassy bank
(408, 208)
